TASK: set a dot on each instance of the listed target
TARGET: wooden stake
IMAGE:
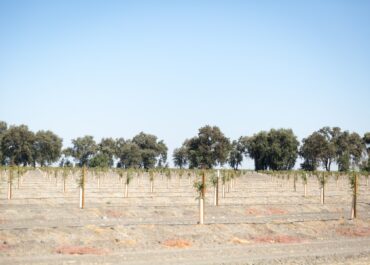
(82, 188)
(354, 200)
(218, 178)
(10, 184)
(201, 200)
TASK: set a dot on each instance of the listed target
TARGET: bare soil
(262, 220)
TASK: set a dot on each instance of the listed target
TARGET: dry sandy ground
(261, 221)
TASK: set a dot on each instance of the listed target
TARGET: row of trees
(270, 150)
(142, 151)
(20, 146)
(276, 150)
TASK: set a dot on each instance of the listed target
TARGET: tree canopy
(275, 150)
(209, 148)
(327, 145)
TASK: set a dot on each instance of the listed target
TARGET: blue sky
(115, 68)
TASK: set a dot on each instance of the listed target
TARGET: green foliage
(3, 128)
(331, 144)
(47, 147)
(274, 150)
(129, 177)
(213, 179)
(236, 153)
(209, 148)
(352, 180)
(143, 151)
(107, 149)
(83, 149)
(180, 157)
(198, 186)
(100, 160)
(350, 147)
(322, 178)
(17, 145)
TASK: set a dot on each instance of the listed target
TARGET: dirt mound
(284, 239)
(176, 243)
(79, 250)
(353, 231)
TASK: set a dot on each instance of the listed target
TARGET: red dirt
(78, 250)
(4, 247)
(353, 231)
(284, 239)
(114, 214)
(176, 243)
(253, 211)
(272, 211)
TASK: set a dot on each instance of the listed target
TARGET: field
(263, 219)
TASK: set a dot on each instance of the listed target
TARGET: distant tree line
(20, 146)
(277, 149)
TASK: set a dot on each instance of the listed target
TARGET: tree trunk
(151, 186)
(82, 189)
(64, 185)
(223, 190)
(218, 178)
(201, 210)
(126, 190)
(201, 200)
(98, 182)
(82, 198)
(354, 201)
(322, 194)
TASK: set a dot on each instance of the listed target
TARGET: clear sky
(115, 68)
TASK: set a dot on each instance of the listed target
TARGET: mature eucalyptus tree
(311, 151)
(107, 149)
(153, 152)
(366, 140)
(3, 128)
(350, 147)
(83, 150)
(208, 149)
(129, 154)
(17, 145)
(275, 150)
(47, 148)
(180, 157)
(331, 144)
(236, 153)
